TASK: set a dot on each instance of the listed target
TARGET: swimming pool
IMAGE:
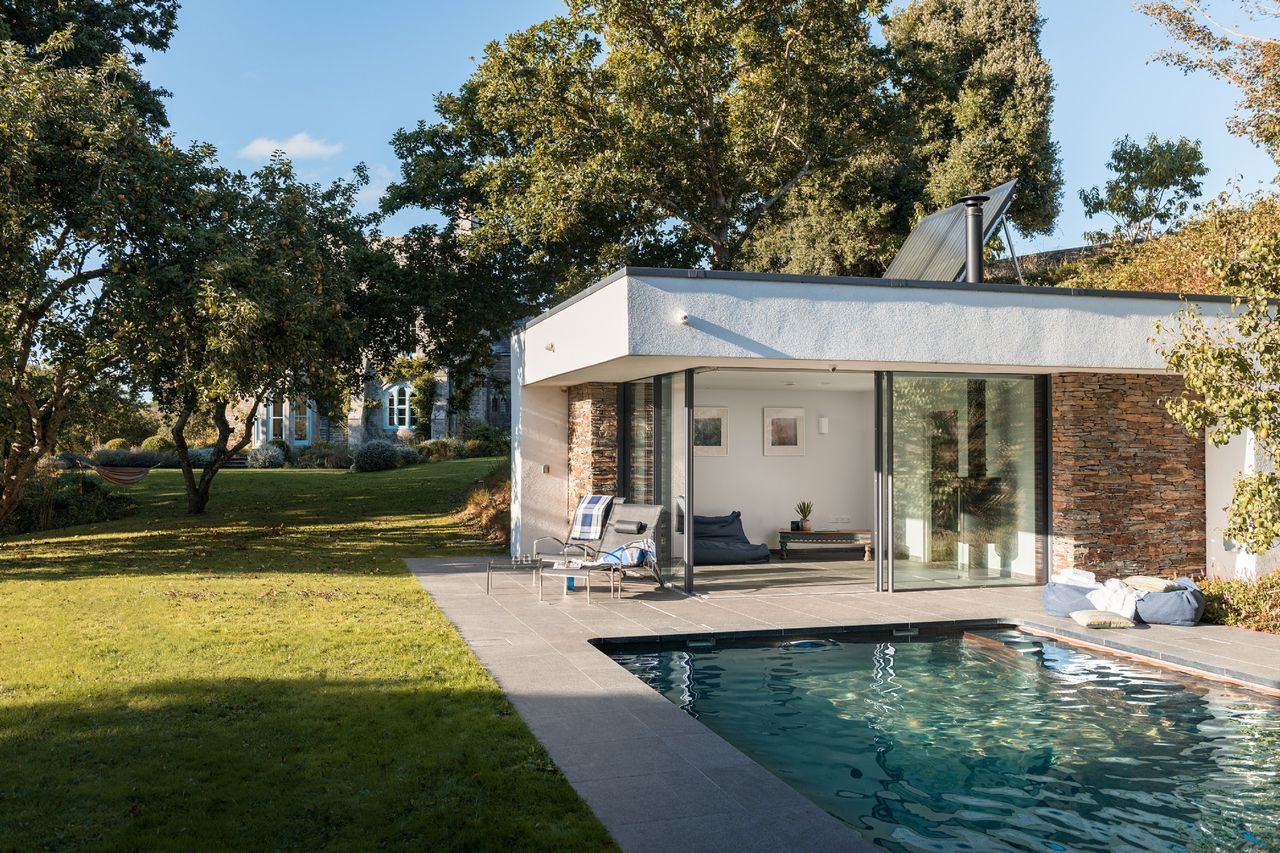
(989, 741)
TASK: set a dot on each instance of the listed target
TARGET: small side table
(518, 563)
(567, 569)
(825, 537)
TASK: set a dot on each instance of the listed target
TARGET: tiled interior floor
(656, 777)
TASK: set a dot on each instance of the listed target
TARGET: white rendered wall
(872, 326)
(1221, 465)
(539, 437)
(836, 472)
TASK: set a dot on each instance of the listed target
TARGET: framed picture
(710, 431)
(784, 432)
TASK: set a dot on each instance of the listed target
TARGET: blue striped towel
(589, 518)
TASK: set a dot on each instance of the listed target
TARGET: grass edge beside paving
(266, 675)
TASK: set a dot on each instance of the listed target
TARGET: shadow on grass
(275, 764)
(314, 521)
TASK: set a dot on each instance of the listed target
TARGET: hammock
(120, 476)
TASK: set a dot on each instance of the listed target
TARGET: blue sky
(338, 79)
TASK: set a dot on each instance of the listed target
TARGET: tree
(1152, 188)
(1232, 373)
(1250, 61)
(972, 99)
(260, 295)
(99, 29)
(75, 224)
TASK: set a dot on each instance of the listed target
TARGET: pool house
(946, 434)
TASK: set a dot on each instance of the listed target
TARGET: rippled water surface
(999, 741)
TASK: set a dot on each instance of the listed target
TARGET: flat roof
(865, 281)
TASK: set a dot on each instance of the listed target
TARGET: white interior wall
(1221, 465)
(836, 472)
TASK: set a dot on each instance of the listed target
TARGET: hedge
(1246, 604)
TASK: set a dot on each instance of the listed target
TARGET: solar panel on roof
(935, 249)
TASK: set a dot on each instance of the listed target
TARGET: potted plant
(804, 509)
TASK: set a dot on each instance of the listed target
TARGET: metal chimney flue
(973, 232)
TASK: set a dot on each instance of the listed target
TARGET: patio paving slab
(655, 776)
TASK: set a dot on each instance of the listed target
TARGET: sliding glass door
(964, 470)
(655, 453)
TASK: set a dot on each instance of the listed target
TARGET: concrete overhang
(642, 322)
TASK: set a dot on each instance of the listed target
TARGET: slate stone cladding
(593, 440)
(1128, 482)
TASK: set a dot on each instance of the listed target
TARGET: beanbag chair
(1062, 599)
(720, 540)
(1182, 607)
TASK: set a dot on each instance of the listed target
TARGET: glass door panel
(965, 481)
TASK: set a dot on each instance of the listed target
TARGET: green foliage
(78, 236)
(1231, 366)
(105, 410)
(420, 373)
(65, 500)
(157, 442)
(286, 450)
(266, 456)
(1246, 604)
(101, 30)
(323, 454)
(126, 458)
(406, 455)
(117, 444)
(1152, 189)
(1229, 50)
(376, 455)
(484, 439)
(804, 509)
(1182, 261)
(441, 449)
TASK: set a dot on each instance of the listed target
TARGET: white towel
(1116, 597)
(1075, 577)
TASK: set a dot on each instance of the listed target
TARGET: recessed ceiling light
(788, 384)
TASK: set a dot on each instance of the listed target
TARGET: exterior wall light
(682, 318)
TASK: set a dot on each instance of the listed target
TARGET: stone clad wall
(593, 440)
(1128, 482)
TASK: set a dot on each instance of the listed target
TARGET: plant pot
(806, 526)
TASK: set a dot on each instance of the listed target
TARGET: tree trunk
(198, 490)
(38, 430)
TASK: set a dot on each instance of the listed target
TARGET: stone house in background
(384, 410)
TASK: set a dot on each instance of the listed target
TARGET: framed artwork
(710, 431)
(784, 432)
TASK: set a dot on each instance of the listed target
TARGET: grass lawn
(267, 675)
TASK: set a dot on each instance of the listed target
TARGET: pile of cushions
(720, 540)
(1159, 602)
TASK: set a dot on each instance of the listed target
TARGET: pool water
(991, 741)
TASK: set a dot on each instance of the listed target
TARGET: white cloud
(300, 146)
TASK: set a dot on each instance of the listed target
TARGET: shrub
(200, 456)
(376, 455)
(157, 442)
(441, 449)
(136, 458)
(488, 505)
(266, 456)
(117, 444)
(485, 438)
(284, 449)
(407, 455)
(51, 501)
(324, 454)
(1247, 604)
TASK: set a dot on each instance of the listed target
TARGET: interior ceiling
(797, 380)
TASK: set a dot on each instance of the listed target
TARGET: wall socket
(841, 519)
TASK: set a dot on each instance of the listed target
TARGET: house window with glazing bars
(275, 420)
(400, 414)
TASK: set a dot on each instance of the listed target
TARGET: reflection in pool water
(1000, 741)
